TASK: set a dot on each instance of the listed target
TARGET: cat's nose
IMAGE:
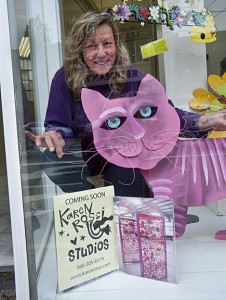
(138, 131)
(139, 135)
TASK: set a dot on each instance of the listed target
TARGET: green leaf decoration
(135, 8)
(197, 17)
(164, 11)
(222, 90)
(216, 105)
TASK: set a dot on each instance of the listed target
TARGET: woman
(96, 58)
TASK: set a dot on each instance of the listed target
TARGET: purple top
(66, 115)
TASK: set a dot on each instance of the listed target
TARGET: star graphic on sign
(82, 238)
(61, 233)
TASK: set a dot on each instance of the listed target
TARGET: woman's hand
(213, 121)
(50, 139)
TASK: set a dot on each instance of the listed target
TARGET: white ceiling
(218, 10)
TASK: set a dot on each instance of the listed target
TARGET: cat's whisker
(86, 163)
(93, 156)
(122, 138)
(130, 183)
(110, 160)
(162, 155)
(134, 176)
(71, 162)
(79, 152)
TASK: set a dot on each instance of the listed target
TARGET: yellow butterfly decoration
(205, 102)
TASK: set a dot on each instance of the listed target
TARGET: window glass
(38, 190)
(43, 27)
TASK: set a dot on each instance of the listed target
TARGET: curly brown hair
(76, 70)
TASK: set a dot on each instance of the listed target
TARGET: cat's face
(133, 132)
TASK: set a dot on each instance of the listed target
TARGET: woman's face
(100, 50)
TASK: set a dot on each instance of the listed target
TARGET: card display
(145, 237)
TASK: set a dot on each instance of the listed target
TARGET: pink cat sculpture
(142, 132)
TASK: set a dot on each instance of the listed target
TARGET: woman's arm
(213, 121)
(196, 125)
(60, 118)
(190, 124)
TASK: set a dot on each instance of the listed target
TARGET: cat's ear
(93, 103)
(150, 87)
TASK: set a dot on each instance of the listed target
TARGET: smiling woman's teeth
(101, 62)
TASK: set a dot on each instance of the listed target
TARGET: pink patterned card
(151, 235)
(146, 237)
(129, 241)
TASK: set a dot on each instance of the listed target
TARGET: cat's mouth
(126, 148)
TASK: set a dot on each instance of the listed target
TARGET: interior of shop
(199, 255)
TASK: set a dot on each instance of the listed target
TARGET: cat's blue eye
(113, 123)
(145, 112)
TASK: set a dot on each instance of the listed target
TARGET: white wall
(183, 67)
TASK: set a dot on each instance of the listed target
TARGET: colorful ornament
(205, 33)
(121, 12)
(170, 14)
(206, 102)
